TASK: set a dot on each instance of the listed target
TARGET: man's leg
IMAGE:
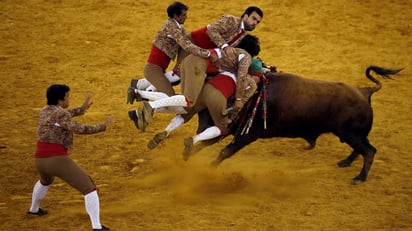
(193, 73)
(155, 75)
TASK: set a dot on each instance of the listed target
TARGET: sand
(99, 45)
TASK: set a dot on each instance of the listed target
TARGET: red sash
(49, 149)
(158, 57)
(201, 39)
(224, 84)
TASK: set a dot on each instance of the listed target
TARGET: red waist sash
(49, 149)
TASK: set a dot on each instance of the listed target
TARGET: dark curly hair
(251, 44)
(176, 8)
(55, 93)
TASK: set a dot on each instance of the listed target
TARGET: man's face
(181, 18)
(250, 21)
(65, 103)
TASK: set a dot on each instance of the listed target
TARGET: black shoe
(188, 142)
(159, 137)
(104, 228)
(41, 212)
(148, 112)
(132, 95)
(137, 116)
(133, 83)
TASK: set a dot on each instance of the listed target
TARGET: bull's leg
(362, 145)
(233, 147)
(311, 142)
(368, 158)
(225, 153)
(348, 161)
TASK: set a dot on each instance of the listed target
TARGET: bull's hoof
(358, 180)
(344, 163)
(310, 146)
(188, 142)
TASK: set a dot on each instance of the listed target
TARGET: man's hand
(230, 53)
(239, 104)
(213, 58)
(87, 102)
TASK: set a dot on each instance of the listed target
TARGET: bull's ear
(273, 69)
(270, 69)
(267, 68)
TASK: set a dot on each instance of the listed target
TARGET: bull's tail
(385, 73)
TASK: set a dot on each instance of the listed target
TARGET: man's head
(256, 73)
(255, 68)
(251, 17)
(58, 94)
(178, 11)
(251, 44)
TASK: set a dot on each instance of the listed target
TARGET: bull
(298, 107)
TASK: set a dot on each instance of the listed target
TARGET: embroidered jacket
(227, 30)
(240, 69)
(171, 36)
(56, 125)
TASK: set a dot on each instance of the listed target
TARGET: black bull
(306, 108)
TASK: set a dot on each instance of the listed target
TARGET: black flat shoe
(41, 212)
(104, 228)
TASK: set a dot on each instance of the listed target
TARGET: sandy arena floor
(273, 184)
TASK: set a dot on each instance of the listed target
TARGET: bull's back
(297, 106)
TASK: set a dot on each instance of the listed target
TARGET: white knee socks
(175, 123)
(142, 84)
(92, 204)
(207, 134)
(172, 101)
(172, 77)
(152, 95)
(39, 192)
